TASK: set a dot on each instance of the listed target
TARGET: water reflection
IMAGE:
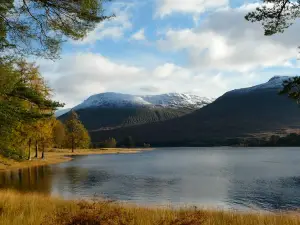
(35, 179)
(76, 181)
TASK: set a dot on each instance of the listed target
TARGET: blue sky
(204, 47)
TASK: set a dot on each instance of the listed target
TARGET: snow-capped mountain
(118, 100)
(275, 82)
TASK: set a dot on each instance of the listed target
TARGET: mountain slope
(238, 113)
(111, 118)
(114, 110)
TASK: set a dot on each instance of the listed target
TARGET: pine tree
(38, 27)
(77, 136)
(128, 142)
(276, 16)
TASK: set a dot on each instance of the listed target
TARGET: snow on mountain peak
(275, 82)
(117, 100)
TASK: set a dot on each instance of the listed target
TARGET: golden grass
(55, 156)
(32, 209)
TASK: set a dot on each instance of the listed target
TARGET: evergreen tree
(128, 142)
(77, 135)
(38, 27)
(276, 16)
(274, 139)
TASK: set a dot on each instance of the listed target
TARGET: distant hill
(241, 113)
(114, 110)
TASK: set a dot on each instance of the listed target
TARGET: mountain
(110, 110)
(118, 100)
(244, 113)
(274, 83)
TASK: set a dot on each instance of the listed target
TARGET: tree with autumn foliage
(25, 99)
(43, 134)
(109, 143)
(59, 134)
(46, 134)
(77, 136)
(35, 28)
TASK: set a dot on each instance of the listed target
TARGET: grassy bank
(31, 209)
(58, 156)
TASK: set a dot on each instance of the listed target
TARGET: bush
(110, 143)
(146, 145)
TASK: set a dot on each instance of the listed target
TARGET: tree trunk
(43, 152)
(29, 149)
(21, 154)
(36, 149)
(72, 145)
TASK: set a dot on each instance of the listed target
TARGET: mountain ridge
(110, 110)
(276, 82)
(168, 100)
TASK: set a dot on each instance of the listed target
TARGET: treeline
(128, 142)
(289, 140)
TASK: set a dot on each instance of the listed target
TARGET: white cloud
(89, 74)
(139, 35)
(226, 41)
(167, 7)
(223, 53)
(113, 28)
(93, 73)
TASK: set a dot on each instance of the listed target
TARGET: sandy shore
(56, 156)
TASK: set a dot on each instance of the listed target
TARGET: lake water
(256, 178)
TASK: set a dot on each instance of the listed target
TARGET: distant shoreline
(56, 156)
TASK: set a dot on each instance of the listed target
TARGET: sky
(202, 47)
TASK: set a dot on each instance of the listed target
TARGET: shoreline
(56, 156)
